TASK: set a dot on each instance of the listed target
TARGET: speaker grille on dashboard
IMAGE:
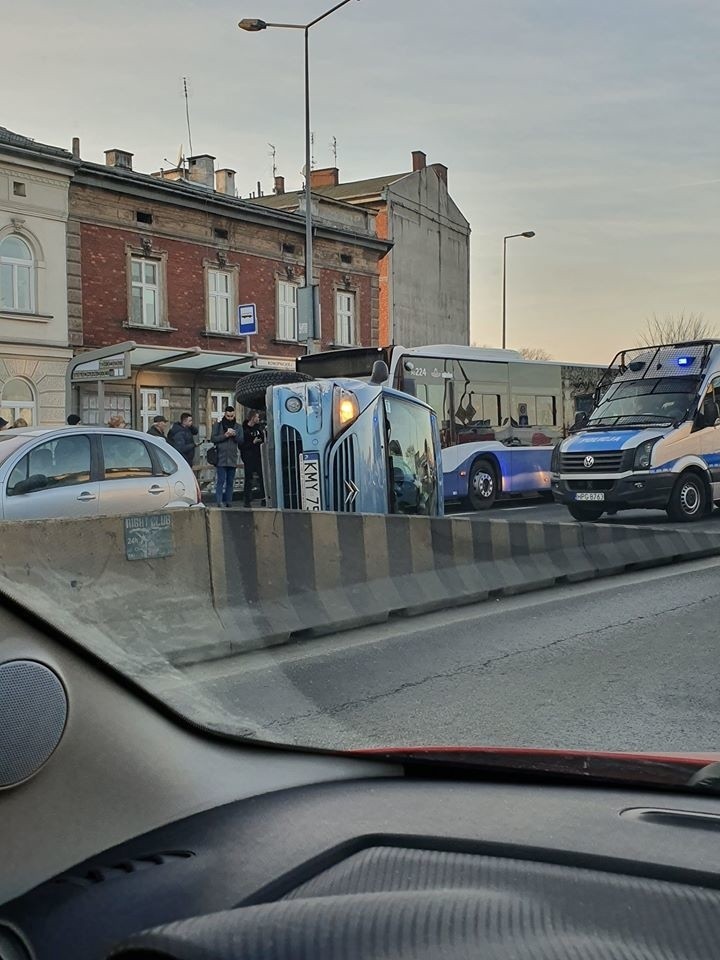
(33, 711)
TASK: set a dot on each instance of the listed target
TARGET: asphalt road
(626, 663)
(536, 509)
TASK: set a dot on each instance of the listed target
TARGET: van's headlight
(345, 409)
(643, 455)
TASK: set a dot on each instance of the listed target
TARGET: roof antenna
(312, 151)
(187, 114)
(273, 154)
(333, 147)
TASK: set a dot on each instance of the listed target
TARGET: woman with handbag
(224, 455)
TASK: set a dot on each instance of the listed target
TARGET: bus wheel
(482, 485)
(251, 388)
(688, 501)
(584, 512)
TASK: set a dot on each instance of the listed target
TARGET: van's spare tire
(250, 390)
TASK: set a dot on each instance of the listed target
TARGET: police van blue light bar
(685, 361)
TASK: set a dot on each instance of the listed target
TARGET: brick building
(164, 261)
(425, 279)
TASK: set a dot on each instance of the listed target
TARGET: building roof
(355, 189)
(17, 140)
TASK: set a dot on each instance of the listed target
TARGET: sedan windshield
(665, 399)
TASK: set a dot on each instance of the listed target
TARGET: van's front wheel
(688, 500)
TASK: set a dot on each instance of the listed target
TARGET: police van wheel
(482, 485)
(250, 389)
(584, 512)
(688, 501)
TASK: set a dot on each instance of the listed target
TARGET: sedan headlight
(346, 409)
(643, 455)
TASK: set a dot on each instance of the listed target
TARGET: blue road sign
(247, 319)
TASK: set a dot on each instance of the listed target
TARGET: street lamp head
(528, 234)
(252, 25)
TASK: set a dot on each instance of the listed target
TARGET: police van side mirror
(711, 413)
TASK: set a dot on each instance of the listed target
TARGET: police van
(652, 439)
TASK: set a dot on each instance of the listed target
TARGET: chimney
(325, 177)
(202, 170)
(76, 147)
(225, 181)
(118, 158)
(441, 170)
(279, 185)
(418, 160)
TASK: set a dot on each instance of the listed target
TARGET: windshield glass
(413, 477)
(666, 399)
(514, 206)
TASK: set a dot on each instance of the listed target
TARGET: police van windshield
(663, 399)
(411, 459)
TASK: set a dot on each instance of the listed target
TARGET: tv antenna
(187, 113)
(333, 147)
(273, 154)
(312, 151)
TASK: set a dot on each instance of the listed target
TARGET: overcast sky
(593, 123)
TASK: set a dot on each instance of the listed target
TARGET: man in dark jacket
(182, 436)
(253, 437)
(226, 438)
(158, 427)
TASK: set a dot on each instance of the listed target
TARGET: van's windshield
(663, 400)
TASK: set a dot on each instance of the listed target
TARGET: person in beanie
(73, 420)
(226, 438)
(182, 436)
(250, 452)
(158, 427)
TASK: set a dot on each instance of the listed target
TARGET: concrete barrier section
(241, 581)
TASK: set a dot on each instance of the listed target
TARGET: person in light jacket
(226, 436)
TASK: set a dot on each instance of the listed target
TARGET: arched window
(17, 275)
(17, 401)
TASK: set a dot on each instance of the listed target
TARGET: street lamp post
(307, 319)
(528, 234)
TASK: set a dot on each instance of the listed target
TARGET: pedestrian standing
(226, 436)
(158, 427)
(117, 422)
(250, 452)
(182, 436)
(73, 420)
(19, 423)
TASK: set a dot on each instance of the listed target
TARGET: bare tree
(675, 328)
(534, 353)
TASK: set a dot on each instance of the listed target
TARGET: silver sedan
(89, 472)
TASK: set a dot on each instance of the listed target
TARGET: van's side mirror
(380, 372)
(580, 420)
(711, 413)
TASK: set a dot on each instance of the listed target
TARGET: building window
(19, 189)
(17, 401)
(143, 217)
(115, 405)
(220, 233)
(345, 317)
(220, 301)
(145, 296)
(287, 310)
(17, 275)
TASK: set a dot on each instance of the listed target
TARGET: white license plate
(589, 496)
(310, 481)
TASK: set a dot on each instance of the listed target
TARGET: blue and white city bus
(346, 445)
(499, 415)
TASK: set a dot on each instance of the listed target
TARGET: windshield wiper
(630, 420)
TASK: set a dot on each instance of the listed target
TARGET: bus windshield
(413, 480)
(663, 399)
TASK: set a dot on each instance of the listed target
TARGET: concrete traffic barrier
(233, 582)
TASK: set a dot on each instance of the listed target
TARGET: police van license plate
(310, 481)
(589, 496)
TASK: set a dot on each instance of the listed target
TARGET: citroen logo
(351, 492)
(588, 462)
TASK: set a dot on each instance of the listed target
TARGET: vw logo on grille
(589, 461)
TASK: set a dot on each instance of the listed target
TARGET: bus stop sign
(247, 319)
